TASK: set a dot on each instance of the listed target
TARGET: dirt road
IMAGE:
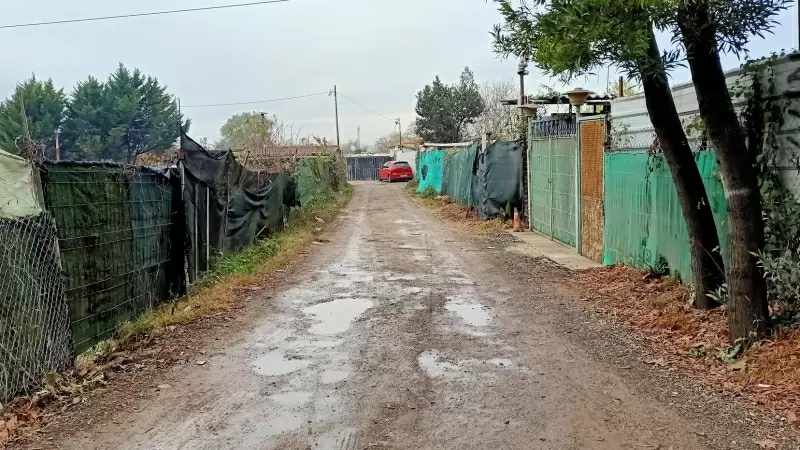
(406, 336)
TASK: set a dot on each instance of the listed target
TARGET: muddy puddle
(336, 316)
(276, 363)
(469, 310)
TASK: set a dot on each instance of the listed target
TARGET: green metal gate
(552, 179)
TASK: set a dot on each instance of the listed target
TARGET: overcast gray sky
(378, 52)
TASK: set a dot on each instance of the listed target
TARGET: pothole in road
(336, 316)
(334, 376)
(293, 398)
(469, 310)
(429, 362)
(435, 366)
(275, 363)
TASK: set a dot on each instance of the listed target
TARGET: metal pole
(183, 193)
(196, 243)
(400, 133)
(550, 182)
(58, 145)
(578, 180)
(208, 227)
(336, 106)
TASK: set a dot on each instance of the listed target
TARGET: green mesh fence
(118, 232)
(430, 170)
(317, 177)
(458, 174)
(643, 218)
(552, 173)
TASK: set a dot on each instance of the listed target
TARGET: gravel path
(409, 335)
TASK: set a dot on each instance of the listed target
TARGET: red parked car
(396, 171)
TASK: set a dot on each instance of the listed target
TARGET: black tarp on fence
(120, 231)
(489, 181)
(365, 168)
(227, 206)
(497, 182)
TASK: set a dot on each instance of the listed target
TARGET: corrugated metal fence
(365, 168)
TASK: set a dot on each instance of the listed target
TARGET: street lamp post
(577, 98)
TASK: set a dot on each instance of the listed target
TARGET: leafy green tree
(126, 116)
(444, 112)
(628, 89)
(32, 133)
(88, 121)
(247, 131)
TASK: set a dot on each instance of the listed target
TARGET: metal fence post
(208, 227)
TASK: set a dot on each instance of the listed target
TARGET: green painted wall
(643, 218)
(430, 170)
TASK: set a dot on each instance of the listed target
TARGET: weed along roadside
(266, 223)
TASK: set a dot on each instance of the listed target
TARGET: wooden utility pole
(336, 106)
(400, 133)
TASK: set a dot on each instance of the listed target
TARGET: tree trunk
(707, 265)
(748, 313)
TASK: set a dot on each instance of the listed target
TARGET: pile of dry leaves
(696, 341)
(60, 392)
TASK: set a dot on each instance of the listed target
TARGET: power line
(255, 102)
(368, 109)
(154, 13)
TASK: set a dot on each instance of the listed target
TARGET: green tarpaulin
(459, 168)
(430, 170)
(20, 191)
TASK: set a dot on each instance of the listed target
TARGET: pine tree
(36, 128)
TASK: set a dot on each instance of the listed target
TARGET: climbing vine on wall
(764, 118)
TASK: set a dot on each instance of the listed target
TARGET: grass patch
(232, 276)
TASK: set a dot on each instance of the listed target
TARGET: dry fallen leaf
(11, 424)
(741, 365)
(657, 362)
(767, 443)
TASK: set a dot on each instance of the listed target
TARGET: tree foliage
(629, 89)
(498, 119)
(254, 131)
(30, 118)
(127, 115)
(247, 131)
(444, 112)
(385, 143)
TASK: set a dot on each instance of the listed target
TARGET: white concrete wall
(631, 127)
(407, 155)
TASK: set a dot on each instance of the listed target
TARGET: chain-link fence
(35, 335)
